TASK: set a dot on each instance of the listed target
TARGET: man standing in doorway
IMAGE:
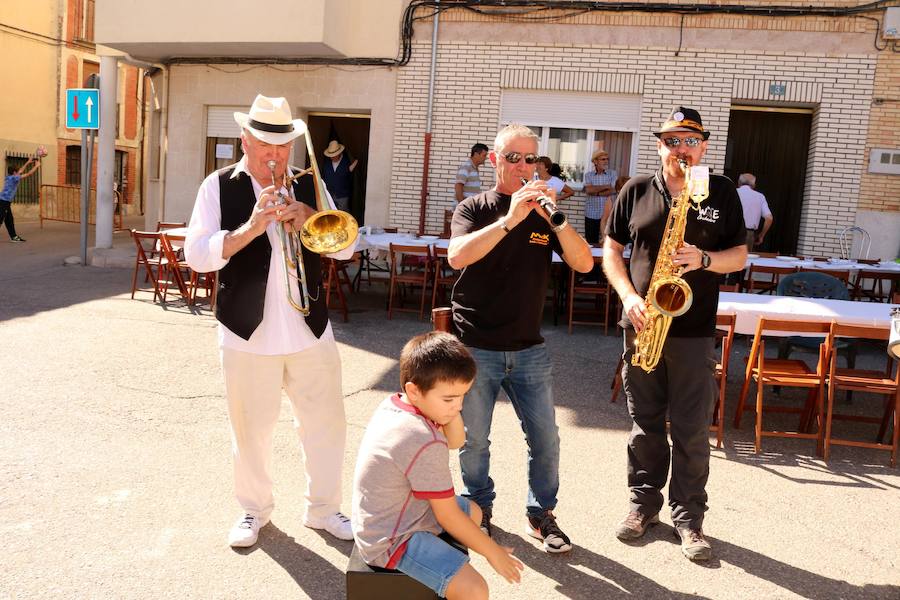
(503, 242)
(600, 188)
(337, 173)
(755, 208)
(468, 181)
(682, 388)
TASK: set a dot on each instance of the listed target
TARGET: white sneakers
(246, 531)
(337, 525)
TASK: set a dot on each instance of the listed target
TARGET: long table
(750, 307)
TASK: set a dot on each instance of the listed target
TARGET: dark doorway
(353, 132)
(774, 146)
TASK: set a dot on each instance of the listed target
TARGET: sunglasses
(515, 157)
(674, 142)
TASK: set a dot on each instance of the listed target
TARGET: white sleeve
(765, 207)
(205, 236)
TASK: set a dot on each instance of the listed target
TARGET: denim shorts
(430, 560)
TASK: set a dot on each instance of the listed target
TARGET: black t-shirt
(498, 301)
(639, 216)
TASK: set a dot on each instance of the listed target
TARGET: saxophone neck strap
(660, 183)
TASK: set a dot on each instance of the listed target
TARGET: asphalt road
(116, 474)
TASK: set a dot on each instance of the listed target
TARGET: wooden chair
(161, 225)
(444, 276)
(176, 270)
(724, 332)
(336, 277)
(875, 291)
(597, 294)
(769, 284)
(842, 275)
(730, 287)
(147, 255)
(448, 220)
(409, 274)
(863, 380)
(785, 373)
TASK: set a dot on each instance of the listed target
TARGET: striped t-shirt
(468, 176)
(403, 462)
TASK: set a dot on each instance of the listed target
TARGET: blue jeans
(431, 561)
(526, 378)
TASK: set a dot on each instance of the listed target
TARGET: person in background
(10, 185)
(755, 209)
(600, 188)
(563, 191)
(468, 181)
(337, 173)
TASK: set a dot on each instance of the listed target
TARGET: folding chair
(175, 268)
(868, 381)
(147, 255)
(335, 277)
(597, 293)
(876, 290)
(785, 373)
(410, 273)
(765, 286)
(726, 336)
(161, 225)
(444, 276)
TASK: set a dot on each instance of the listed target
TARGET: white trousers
(312, 380)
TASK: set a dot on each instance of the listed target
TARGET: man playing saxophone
(265, 343)
(681, 385)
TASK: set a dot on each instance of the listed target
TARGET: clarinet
(556, 216)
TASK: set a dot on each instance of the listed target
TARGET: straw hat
(270, 120)
(333, 149)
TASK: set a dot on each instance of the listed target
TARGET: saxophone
(669, 295)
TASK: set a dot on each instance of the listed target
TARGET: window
(885, 160)
(84, 20)
(572, 125)
(572, 150)
(73, 165)
(223, 141)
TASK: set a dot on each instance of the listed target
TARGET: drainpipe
(426, 155)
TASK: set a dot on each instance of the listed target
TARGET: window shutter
(577, 110)
(220, 121)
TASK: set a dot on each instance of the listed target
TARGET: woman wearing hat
(337, 174)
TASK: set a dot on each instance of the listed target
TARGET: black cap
(683, 119)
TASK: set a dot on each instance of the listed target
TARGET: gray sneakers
(635, 525)
(693, 544)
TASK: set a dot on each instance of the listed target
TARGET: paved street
(116, 472)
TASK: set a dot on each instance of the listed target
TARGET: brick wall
(879, 191)
(468, 91)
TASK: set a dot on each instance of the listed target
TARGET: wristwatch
(705, 260)
(504, 226)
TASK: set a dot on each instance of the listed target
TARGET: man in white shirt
(265, 343)
(755, 208)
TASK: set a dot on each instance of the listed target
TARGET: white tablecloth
(750, 307)
(832, 264)
(383, 241)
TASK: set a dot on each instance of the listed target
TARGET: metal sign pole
(85, 193)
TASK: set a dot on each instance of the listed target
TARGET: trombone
(325, 232)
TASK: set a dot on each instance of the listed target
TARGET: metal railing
(63, 202)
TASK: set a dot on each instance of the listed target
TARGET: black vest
(242, 282)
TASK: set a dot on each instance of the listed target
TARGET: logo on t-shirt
(708, 213)
(541, 239)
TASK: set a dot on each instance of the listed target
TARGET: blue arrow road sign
(83, 108)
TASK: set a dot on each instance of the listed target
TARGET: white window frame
(544, 143)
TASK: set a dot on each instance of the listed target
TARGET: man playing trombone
(241, 217)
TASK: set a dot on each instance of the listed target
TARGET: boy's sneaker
(336, 524)
(246, 531)
(544, 527)
(486, 514)
(16, 238)
(635, 525)
(693, 544)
